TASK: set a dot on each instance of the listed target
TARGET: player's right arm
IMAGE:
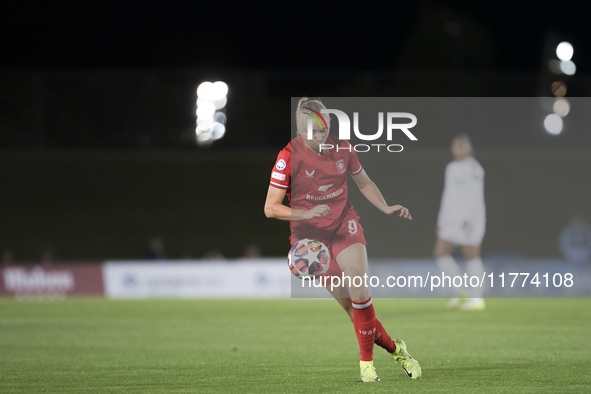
(280, 182)
(274, 208)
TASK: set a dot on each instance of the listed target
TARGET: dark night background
(123, 75)
(125, 34)
(97, 108)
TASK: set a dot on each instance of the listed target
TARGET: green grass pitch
(282, 346)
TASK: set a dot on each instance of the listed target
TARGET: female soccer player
(462, 220)
(315, 181)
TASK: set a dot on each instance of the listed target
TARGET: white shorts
(470, 236)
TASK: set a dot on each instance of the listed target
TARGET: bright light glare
(561, 107)
(203, 135)
(568, 67)
(218, 131)
(553, 124)
(206, 110)
(558, 88)
(204, 124)
(205, 142)
(211, 97)
(200, 101)
(564, 51)
(205, 90)
(220, 117)
(219, 90)
(221, 103)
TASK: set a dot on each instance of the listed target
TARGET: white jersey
(463, 202)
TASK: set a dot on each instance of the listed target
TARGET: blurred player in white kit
(462, 220)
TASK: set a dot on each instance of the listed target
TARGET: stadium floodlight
(564, 51)
(201, 101)
(204, 124)
(205, 91)
(211, 99)
(218, 131)
(568, 67)
(220, 103)
(561, 107)
(219, 90)
(553, 124)
(206, 110)
(204, 136)
(220, 117)
(558, 88)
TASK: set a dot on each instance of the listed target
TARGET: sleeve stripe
(358, 171)
(277, 184)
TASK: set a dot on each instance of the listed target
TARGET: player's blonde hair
(302, 118)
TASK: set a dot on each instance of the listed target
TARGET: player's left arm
(369, 189)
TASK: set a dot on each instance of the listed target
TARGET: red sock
(364, 318)
(383, 339)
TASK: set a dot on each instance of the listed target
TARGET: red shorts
(349, 232)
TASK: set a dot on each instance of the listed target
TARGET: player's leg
(474, 267)
(382, 338)
(353, 262)
(340, 294)
(447, 265)
(335, 287)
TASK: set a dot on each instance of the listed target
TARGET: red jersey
(310, 180)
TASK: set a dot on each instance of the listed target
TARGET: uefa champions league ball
(308, 257)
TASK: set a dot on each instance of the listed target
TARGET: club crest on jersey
(280, 165)
(340, 166)
(310, 174)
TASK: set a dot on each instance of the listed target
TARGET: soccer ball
(308, 257)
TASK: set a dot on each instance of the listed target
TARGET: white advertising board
(264, 278)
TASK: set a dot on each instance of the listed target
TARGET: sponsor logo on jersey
(325, 187)
(325, 197)
(280, 165)
(340, 166)
(277, 175)
(310, 174)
